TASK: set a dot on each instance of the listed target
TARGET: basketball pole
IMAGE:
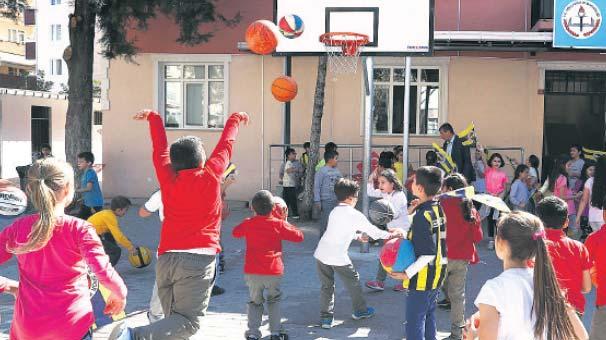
(405, 130)
(369, 92)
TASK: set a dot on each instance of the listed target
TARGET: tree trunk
(79, 57)
(314, 139)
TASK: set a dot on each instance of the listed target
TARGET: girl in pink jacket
(53, 251)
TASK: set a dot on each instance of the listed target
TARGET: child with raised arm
(263, 266)
(331, 255)
(189, 238)
(53, 251)
(424, 277)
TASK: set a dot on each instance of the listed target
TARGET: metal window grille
(575, 82)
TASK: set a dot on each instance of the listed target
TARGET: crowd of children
(545, 273)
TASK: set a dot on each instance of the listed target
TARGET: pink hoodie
(53, 300)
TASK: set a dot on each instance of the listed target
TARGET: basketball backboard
(393, 27)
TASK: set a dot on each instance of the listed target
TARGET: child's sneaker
(120, 332)
(376, 285)
(490, 245)
(251, 337)
(399, 288)
(326, 323)
(369, 313)
(281, 336)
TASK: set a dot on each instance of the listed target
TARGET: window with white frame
(55, 32)
(12, 35)
(56, 67)
(193, 95)
(388, 103)
(21, 37)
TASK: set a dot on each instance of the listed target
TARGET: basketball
(380, 212)
(13, 200)
(141, 259)
(396, 255)
(284, 89)
(261, 37)
(291, 26)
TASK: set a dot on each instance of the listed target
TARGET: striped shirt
(428, 237)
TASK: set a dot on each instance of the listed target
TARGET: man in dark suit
(459, 153)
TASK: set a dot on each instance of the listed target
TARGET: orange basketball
(284, 89)
(261, 37)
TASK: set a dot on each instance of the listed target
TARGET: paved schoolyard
(226, 317)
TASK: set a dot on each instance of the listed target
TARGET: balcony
(542, 15)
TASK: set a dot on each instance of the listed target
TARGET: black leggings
(112, 249)
(492, 223)
(290, 197)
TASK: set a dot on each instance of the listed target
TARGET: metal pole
(288, 72)
(407, 65)
(368, 63)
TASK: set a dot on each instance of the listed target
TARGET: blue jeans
(420, 318)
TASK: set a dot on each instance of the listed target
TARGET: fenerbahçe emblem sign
(581, 19)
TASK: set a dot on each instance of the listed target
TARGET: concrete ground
(226, 318)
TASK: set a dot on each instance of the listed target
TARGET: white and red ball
(291, 26)
(13, 200)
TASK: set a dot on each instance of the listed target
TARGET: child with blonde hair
(53, 251)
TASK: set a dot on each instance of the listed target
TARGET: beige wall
(499, 95)
(15, 127)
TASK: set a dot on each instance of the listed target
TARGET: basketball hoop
(343, 50)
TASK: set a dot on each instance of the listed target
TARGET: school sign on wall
(579, 24)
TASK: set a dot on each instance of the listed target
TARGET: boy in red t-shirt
(263, 266)
(596, 244)
(189, 238)
(570, 258)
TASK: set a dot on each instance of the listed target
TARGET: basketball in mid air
(291, 26)
(261, 37)
(284, 89)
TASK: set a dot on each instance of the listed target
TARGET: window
(55, 2)
(12, 35)
(97, 118)
(193, 95)
(388, 106)
(13, 71)
(55, 34)
(21, 37)
(56, 67)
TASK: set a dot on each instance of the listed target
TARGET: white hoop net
(343, 51)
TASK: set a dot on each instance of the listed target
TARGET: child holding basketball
(464, 232)
(331, 254)
(106, 225)
(390, 189)
(424, 277)
(89, 186)
(523, 302)
(53, 251)
(189, 238)
(263, 266)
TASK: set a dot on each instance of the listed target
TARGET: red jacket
(461, 236)
(192, 197)
(264, 235)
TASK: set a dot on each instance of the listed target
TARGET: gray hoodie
(324, 184)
